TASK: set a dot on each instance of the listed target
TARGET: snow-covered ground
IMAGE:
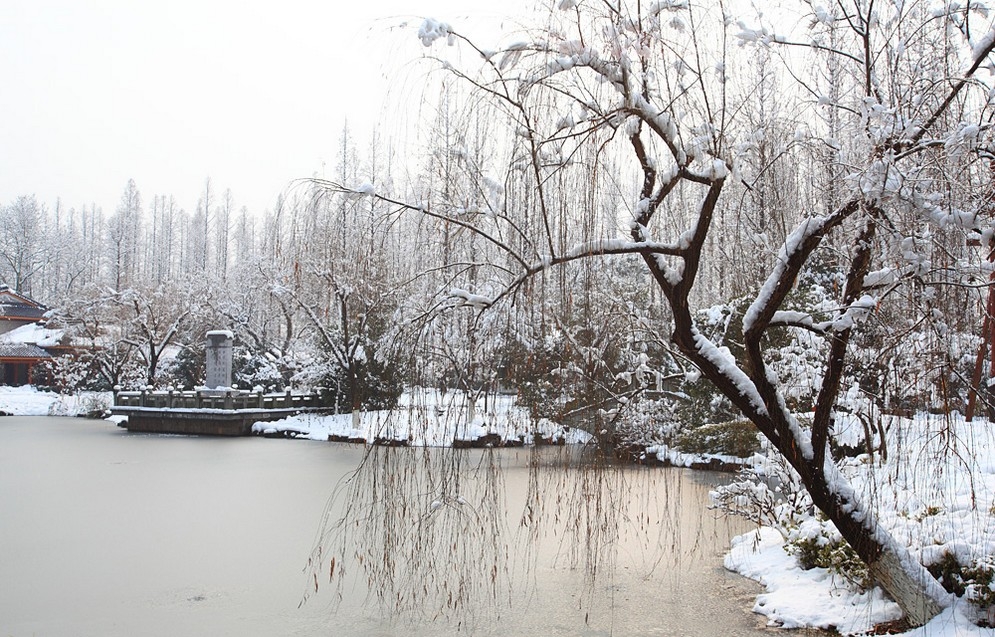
(430, 418)
(28, 401)
(936, 494)
(817, 599)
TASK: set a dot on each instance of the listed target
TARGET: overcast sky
(250, 94)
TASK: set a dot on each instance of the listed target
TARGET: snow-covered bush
(87, 404)
(252, 369)
(75, 372)
(187, 370)
(647, 421)
(980, 589)
(974, 581)
(816, 543)
(378, 381)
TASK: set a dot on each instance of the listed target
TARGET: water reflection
(554, 534)
(108, 533)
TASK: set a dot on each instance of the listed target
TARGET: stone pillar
(218, 348)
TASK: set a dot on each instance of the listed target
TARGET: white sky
(250, 94)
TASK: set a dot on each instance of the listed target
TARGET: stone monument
(218, 348)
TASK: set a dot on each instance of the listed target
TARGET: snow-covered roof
(15, 306)
(34, 334)
(20, 311)
(22, 350)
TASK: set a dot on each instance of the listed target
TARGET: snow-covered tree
(24, 246)
(663, 91)
(121, 331)
(123, 237)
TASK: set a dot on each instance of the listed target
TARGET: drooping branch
(597, 248)
(506, 249)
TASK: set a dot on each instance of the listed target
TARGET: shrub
(732, 438)
(831, 552)
(976, 582)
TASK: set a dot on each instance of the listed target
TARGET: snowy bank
(804, 599)
(28, 401)
(816, 598)
(667, 456)
(430, 418)
(934, 492)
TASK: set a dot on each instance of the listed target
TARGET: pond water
(103, 532)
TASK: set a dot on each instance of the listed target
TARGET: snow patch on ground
(28, 401)
(798, 599)
(430, 418)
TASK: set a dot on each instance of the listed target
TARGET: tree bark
(888, 572)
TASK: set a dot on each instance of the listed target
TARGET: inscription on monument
(219, 344)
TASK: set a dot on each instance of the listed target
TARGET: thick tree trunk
(905, 580)
(889, 573)
(891, 567)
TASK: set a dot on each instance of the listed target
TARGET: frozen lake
(108, 533)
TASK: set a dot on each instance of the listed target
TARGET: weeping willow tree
(660, 93)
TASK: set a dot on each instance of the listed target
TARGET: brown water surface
(108, 533)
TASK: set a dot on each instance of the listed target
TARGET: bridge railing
(219, 399)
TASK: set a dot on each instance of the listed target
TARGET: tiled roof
(21, 311)
(16, 305)
(22, 350)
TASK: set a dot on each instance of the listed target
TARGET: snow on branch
(780, 275)
(432, 30)
(981, 51)
(804, 320)
(667, 5)
(858, 311)
(884, 278)
(725, 364)
(662, 123)
(468, 299)
(761, 35)
(983, 46)
(364, 189)
(601, 247)
(881, 181)
(619, 246)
